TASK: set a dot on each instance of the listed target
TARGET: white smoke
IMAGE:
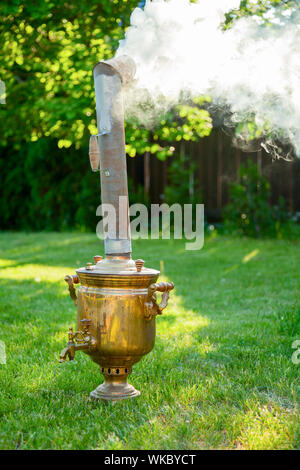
(253, 69)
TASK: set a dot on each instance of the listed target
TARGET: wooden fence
(217, 164)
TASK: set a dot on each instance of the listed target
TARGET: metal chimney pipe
(109, 76)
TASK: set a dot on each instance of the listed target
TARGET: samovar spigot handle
(86, 323)
(71, 336)
(78, 341)
(69, 350)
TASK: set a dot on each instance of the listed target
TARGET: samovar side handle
(71, 280)
(152, 308)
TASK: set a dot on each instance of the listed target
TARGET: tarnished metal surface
(94, 153)
(108, 77)
(116, 318)
(123, 65)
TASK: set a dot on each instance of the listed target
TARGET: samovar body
(116, 308)
(116, 322)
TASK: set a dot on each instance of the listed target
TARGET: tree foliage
(47, 52)
(259, 8)
(249, 211)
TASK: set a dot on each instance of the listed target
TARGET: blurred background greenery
(48, 50)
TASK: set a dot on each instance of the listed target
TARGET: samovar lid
(117, 265)
(118, 271)
(113, 272)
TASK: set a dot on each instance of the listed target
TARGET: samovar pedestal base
(114, 388)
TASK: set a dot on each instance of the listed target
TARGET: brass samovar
(116, 299)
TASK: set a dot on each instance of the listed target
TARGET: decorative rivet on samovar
(97, 258)
(139, 264)
(117, 308)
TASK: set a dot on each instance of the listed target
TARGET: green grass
(220, 375)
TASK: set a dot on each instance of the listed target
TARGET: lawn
(220, 375)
